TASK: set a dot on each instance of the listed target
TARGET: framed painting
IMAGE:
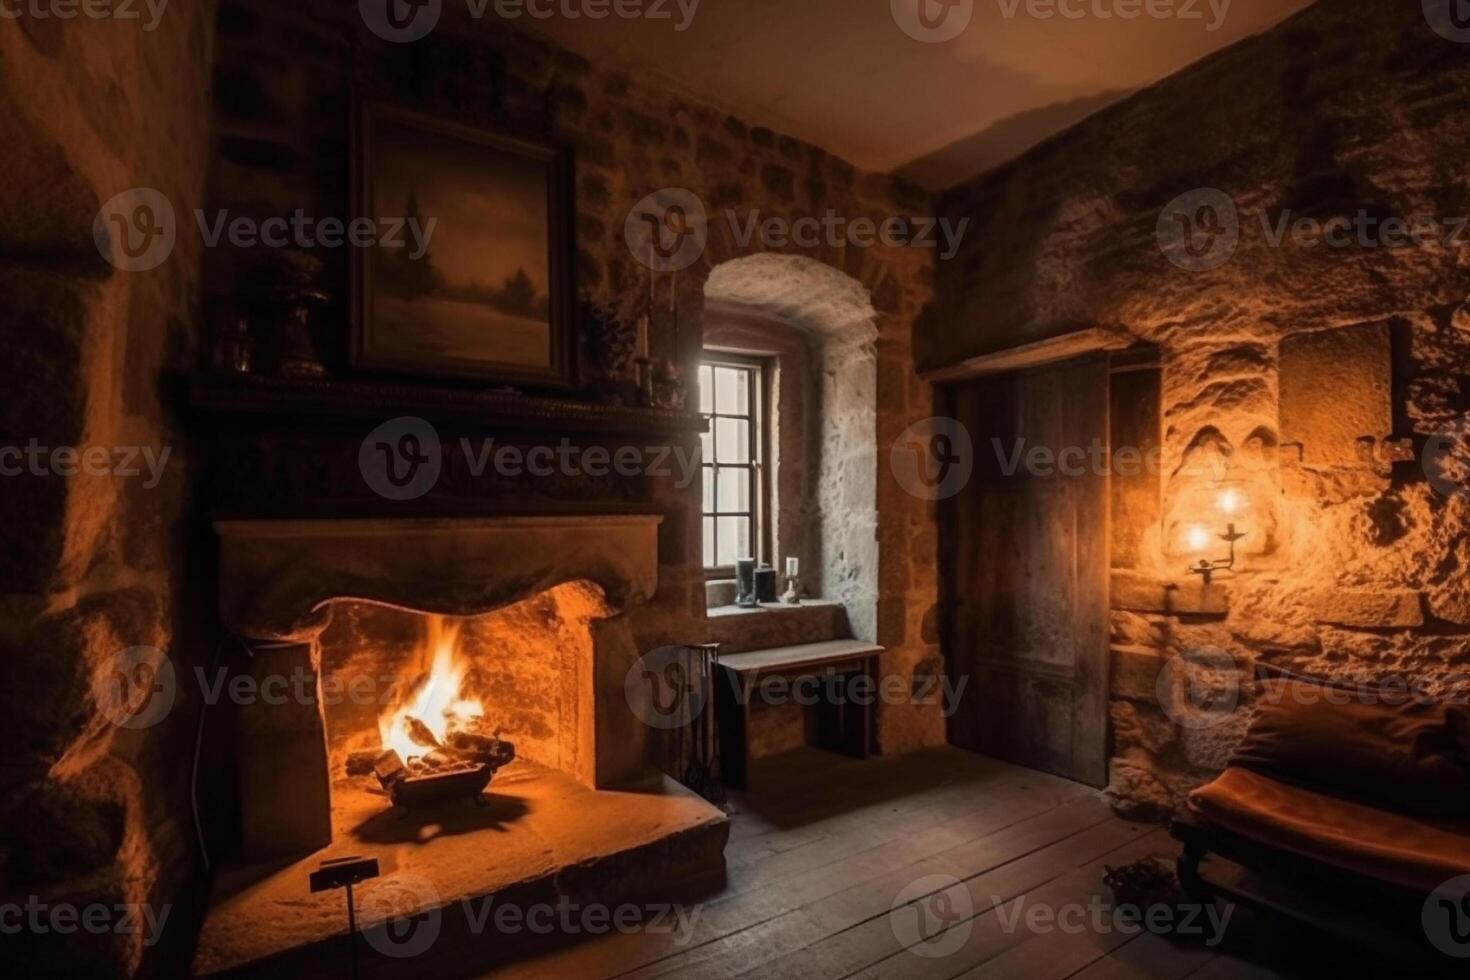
(469, 274)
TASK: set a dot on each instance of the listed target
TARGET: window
(732, 395)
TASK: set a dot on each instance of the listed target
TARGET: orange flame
(438, 699)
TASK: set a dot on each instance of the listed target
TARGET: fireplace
(464, 719)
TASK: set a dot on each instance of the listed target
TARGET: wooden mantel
(361, 398)
(1037, 354)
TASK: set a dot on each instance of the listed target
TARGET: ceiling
(843, 74)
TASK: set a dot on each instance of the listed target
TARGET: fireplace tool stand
(701, 773)
(344, 873)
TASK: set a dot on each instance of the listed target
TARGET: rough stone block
(1140, 593)
(1367, 610)
(1451, 603)
(1136, 672)
(1336, 391)
(54, 227)
(1210, 746)
(46, 668)
(54, 832)
(1137, 793)
(42, 340)
(1139, 727)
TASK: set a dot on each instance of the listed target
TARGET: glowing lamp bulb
(1231, 502)
(1197, 538)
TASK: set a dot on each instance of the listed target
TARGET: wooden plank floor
(822, 847)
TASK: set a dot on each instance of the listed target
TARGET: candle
(793, 567)
(643, 336)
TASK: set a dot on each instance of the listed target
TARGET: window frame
(762, 371)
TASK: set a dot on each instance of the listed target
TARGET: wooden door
(1024, 566)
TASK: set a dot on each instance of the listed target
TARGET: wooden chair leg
(1187, 867)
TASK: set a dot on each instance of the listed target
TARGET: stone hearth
(542, 603)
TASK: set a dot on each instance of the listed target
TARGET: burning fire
(437, 701)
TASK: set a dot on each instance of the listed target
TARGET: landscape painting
(467, 277)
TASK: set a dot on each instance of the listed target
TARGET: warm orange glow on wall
(1196, 538)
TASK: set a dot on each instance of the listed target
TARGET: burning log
(484, 749)
(389, 769)
(420, 734)
(362, 763)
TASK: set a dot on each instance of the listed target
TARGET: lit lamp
(1231, 503)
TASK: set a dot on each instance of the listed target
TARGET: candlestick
(643, 329)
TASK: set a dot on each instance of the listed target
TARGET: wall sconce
(1231, 502)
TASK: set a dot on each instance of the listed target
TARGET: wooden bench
(841, 726)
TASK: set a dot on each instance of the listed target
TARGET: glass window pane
(709, 489)
(734, 492)
(709, 542)
(707, 446)
(732, 437)
(734, 539)
(732, 391)
(706, 389)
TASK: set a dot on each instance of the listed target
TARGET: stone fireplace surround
(613, 820)
(278, 580)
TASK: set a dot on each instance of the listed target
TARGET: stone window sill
(715, 612)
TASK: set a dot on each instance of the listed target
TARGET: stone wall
(93, 814)
(284, 80)
(1297, 372)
